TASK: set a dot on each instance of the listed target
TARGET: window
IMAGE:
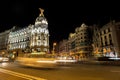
(101, 41)
(111, 42)
(104, 32)
(100, 33)
(110, 37)
(108, 29)
(101, 38)
(39, 37)
(105, 37)
(38, 43)
(105, 43)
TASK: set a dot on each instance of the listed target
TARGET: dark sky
(63, 15)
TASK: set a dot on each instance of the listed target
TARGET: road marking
(20, 75)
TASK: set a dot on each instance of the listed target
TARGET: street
(13, 71)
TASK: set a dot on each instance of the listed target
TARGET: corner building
(33, 38)
(80, 41)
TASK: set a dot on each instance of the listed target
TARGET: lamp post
(54, 44)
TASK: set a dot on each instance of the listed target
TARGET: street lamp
(54, 44)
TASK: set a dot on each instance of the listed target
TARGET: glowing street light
(104, 50)
(54, 44)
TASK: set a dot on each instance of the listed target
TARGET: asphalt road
(12, 71)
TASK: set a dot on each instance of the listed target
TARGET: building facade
(63, 47)
(4, 41)
(78, 43)
(33, 38)
(82, 43)
(106, 39)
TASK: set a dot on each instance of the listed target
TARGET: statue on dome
(41, 10)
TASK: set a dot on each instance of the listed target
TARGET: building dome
(41, 21)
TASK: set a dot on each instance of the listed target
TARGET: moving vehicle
(37, 60)
(65, 60)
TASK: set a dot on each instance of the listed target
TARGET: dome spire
(41, 10)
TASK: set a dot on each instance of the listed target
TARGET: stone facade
(32, 38)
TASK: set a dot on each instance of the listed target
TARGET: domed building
(33, 38)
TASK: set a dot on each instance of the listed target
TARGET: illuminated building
(96, 40)
(4, 41)
(107, 38)
(63, 47)
(79, 43)
(71, 42)
(31, 38)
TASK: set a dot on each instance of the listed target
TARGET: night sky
(63, 15)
